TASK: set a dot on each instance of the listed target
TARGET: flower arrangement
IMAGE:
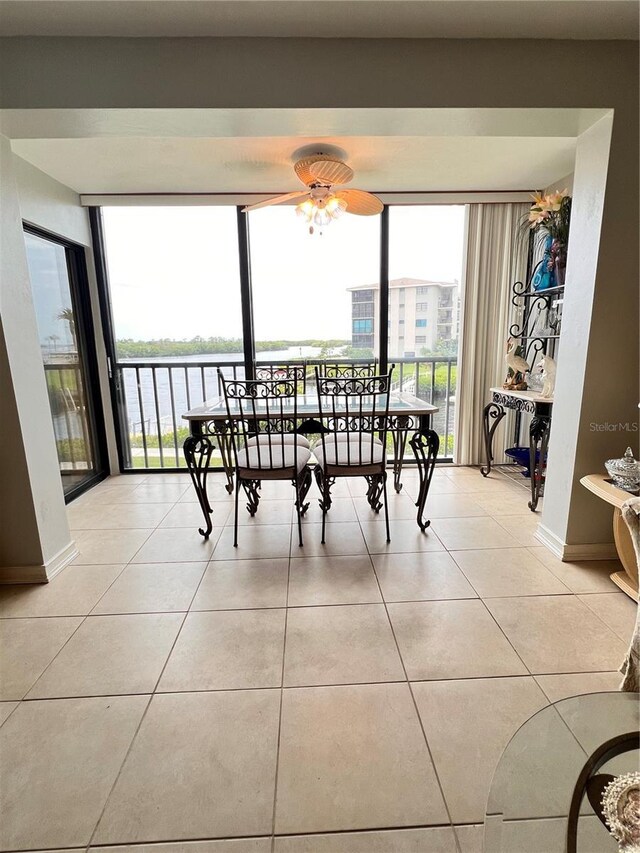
(548, 220)
(550, 214)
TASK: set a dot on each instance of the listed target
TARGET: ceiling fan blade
(331, 171)
(278, 199)
(361, 203)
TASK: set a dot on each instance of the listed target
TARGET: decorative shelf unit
(537, 323)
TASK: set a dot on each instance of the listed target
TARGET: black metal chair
(355, 414)
(348, 369)
(263, 416)
(296, 372)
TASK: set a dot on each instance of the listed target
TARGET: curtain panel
(493, 261)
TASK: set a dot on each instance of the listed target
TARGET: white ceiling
(264, 165)
(251, 151)
(547, 19)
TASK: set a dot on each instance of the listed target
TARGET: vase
(559, 255)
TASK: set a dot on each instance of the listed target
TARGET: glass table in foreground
(539, 775)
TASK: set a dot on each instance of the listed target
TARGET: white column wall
(35, 539)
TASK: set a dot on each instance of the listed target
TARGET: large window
(177, 300)
(314, 294)
(425, 270)
(175, 297)
(58, 275)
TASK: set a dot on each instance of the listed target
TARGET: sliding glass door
(58, 282)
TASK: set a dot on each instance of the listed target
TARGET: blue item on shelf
(544, 275)
(521, 456)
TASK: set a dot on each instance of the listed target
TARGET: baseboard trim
(566, 553)
(40, 574)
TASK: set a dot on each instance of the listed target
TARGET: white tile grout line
(294, 526)
(143, 716)
(417, 712)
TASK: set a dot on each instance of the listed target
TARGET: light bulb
(306, 209)
(322, 217)
(335, 207)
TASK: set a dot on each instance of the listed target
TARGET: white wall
(56, 208)
(36, 542)
(35, 539)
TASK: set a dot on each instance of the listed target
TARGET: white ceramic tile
(6, 709)
(562, 686)
(433, 840)
(353, 758)
(557, 634)
(466, 755)
(237, 584)
(27, 647)
(72, 592)
(116, 516)
(264, 541)
(340, 645)
(190, 515)
(60, 760)
(458, 534)
(111, 655)
(421, 576)
(176, 545)
(152, 588)
(108, 547)
(340, 540)
(435, 640)
(581, 576)
(202, 766)
(230, 649)
(496, 572)
(406, 537)
(332, 580)
(616, 610)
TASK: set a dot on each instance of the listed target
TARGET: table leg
(399, 436)
(425, 445)
(222, 432)
(494, 412)
(538, 444)
(197, 453)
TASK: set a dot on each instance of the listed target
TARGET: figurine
(548, 368)
(517, 368)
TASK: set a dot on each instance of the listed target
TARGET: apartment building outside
(421, 313)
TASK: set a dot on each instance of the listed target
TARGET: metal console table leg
(425, 445)
(197, 453)
(494, 412)
(399, 429)
(538, 445)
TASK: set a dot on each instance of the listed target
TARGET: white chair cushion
(352, 453)
(288, 438)
(347, 436)
(276, 460)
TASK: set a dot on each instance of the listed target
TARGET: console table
(601, 485)
(533, 403)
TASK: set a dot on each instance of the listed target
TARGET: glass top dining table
(210, 427)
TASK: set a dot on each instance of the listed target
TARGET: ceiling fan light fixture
(306, 209)
(335, 206)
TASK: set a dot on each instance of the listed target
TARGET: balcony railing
(153, 394)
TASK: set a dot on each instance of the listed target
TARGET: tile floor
(346, 698)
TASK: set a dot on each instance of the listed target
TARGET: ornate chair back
(355, 411)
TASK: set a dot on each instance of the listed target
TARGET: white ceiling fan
(324, 200)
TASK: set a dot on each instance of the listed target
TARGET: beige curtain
(494, 260)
